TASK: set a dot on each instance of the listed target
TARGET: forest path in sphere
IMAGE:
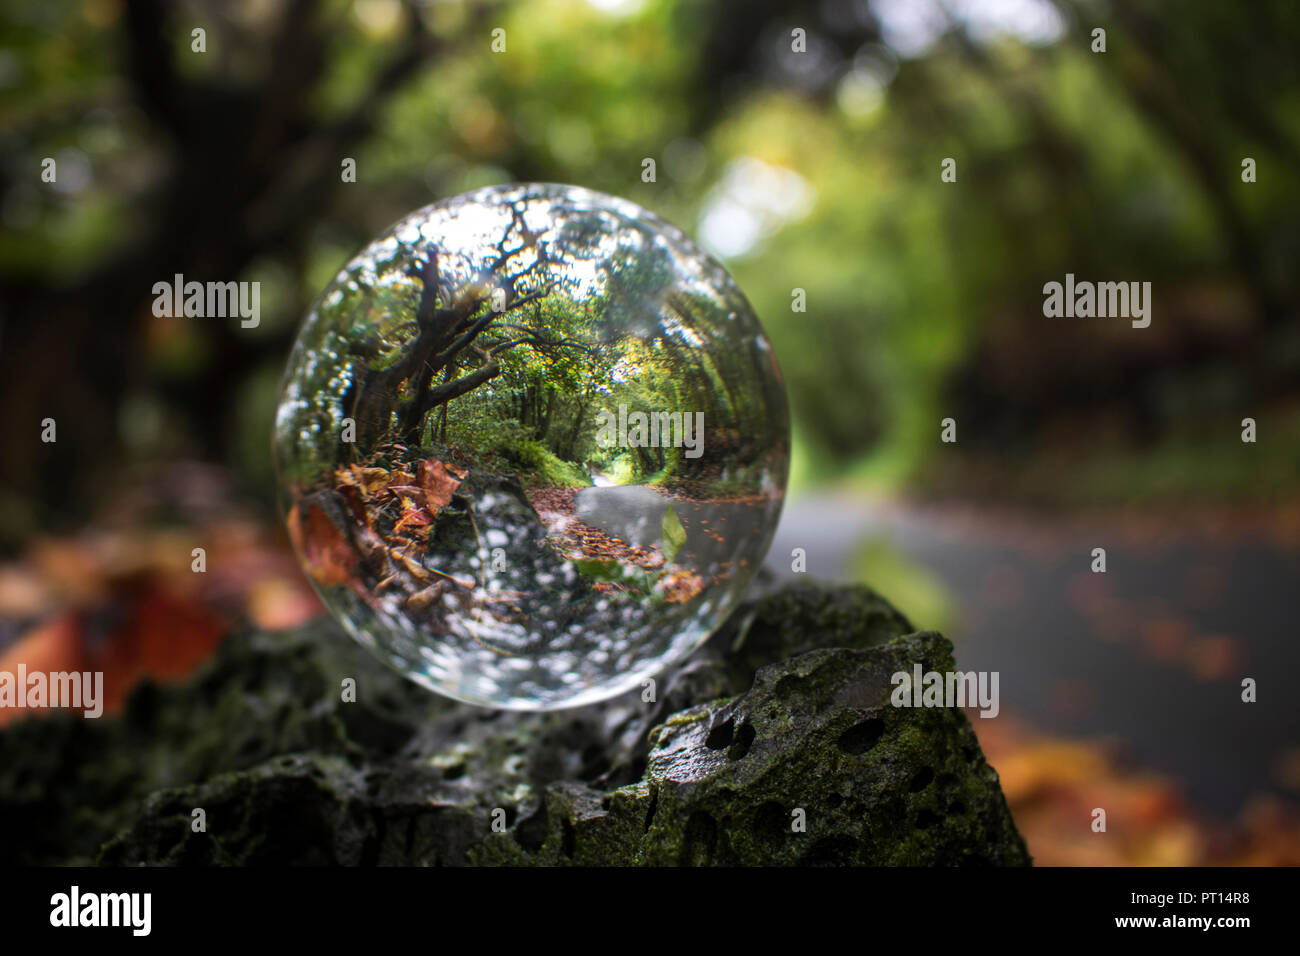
(635, 513)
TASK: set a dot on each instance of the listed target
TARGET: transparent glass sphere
(532, 445)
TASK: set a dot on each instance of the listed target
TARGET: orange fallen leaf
(438, 484)
(413, 518)
(324, 547)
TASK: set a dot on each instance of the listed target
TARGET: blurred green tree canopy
(817, 170)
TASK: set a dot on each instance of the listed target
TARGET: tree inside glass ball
(532, 445)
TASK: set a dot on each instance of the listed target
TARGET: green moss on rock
(784, 716)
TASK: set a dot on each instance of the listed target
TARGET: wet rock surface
(782, 719)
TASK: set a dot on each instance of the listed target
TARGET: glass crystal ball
(532, 445)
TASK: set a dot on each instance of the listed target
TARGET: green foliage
(922, 296)
(672, 535)
(629, 576)
(625, 470)
(540, 465)
(915, 591)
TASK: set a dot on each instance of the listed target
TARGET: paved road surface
(635, 513)
(1151, 653)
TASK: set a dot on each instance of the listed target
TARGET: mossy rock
(774, 744)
